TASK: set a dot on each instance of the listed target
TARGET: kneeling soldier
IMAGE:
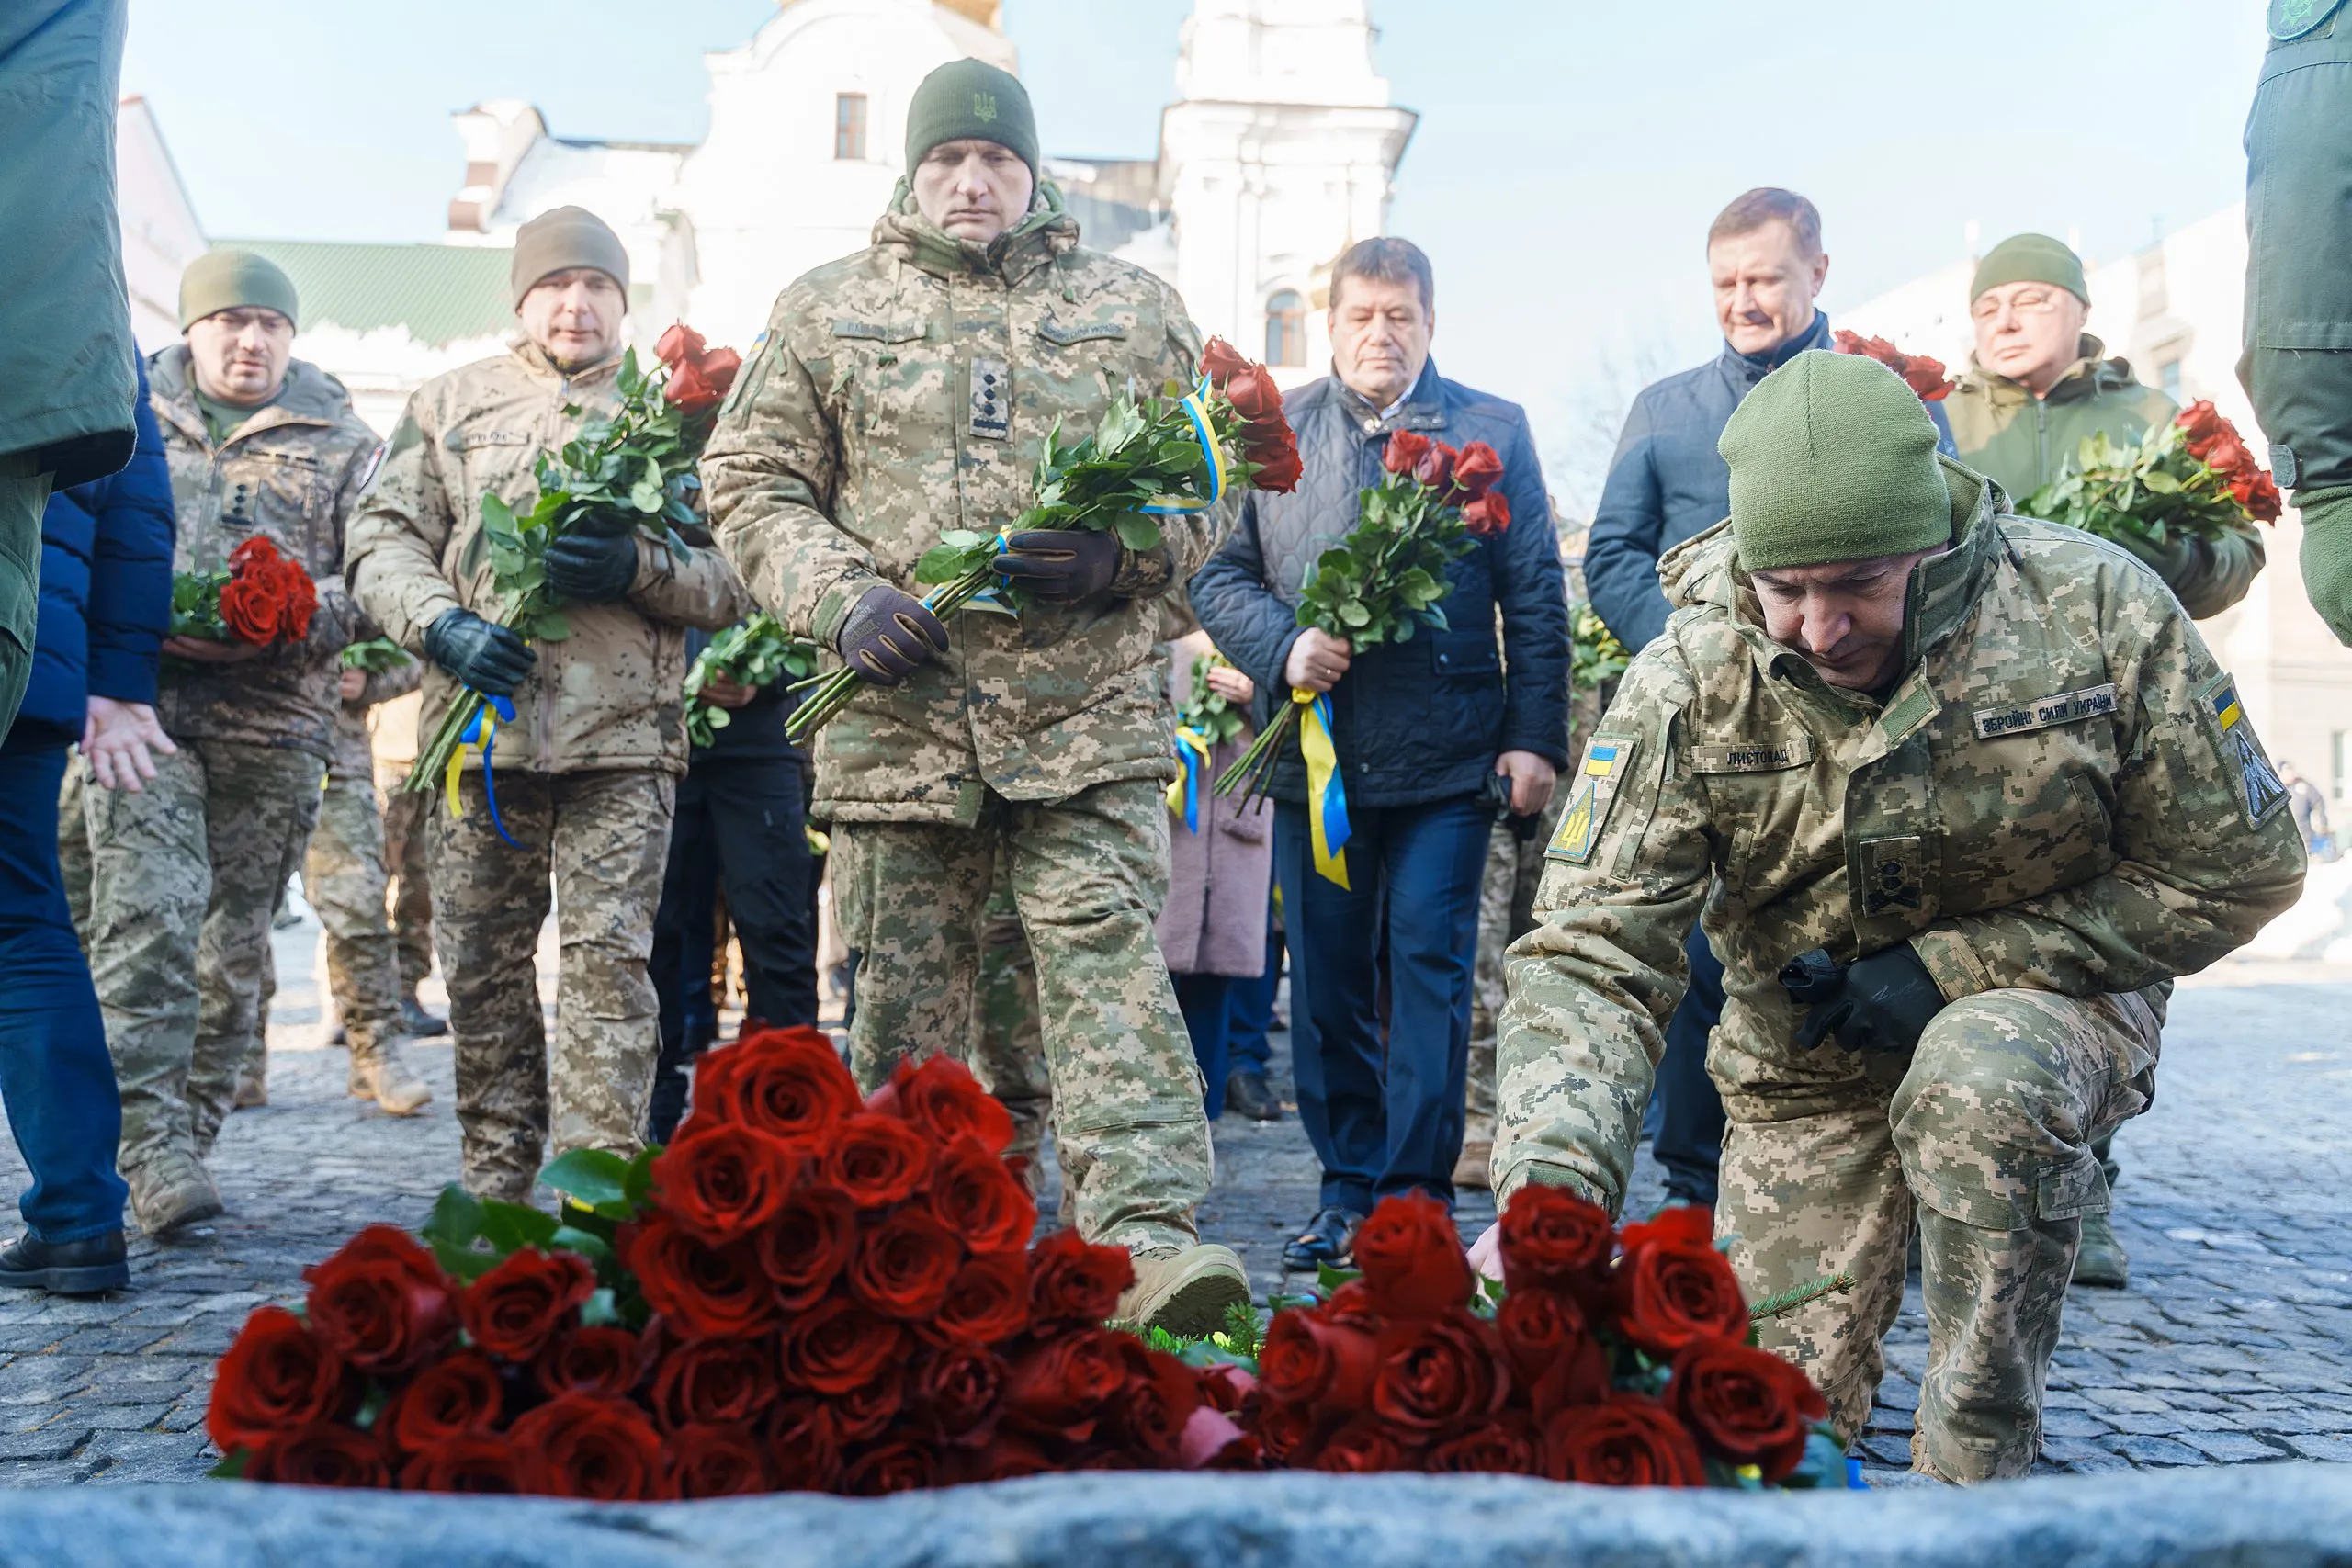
(1956, 796)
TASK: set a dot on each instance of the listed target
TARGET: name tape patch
(1752, 755)
(2066, 707)
(1606, 762)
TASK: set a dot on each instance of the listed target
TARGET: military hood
(311, 396)
(1035, 241)
(2092, 373)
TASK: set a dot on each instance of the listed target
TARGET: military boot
(418, 1023)
(1184, 1291)
(170, 1191)
(253, 1086)
(1478, 1153)
(2099, 1257)
(377, 1072)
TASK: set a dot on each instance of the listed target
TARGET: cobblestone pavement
(2233, 1345)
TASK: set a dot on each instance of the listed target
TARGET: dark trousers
(55, 1075)
(1689, 1142)
(1249, 1015)
(1205, 1002)
(739, 823)
(1384, 1121)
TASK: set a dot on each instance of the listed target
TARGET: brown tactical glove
(888, 633)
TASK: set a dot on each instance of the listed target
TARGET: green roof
(440, 293)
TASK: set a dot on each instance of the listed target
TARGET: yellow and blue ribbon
(1192, 758)
(1195, 407)
(481, 733)
(1326, 797)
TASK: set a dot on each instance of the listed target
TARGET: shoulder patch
(2291, 19)
(753, 374)
(2261, 795)
(1607, 760)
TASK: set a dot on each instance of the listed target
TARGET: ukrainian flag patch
(1607, 760)
(2260, 794)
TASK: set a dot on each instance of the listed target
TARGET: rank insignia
(1895, 873)
(1606, 762)
(2260, 794)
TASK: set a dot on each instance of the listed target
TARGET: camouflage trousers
(404, 819)
(1087, 875)
(1008, 1052)
(1986, 1128)
(1505, 913)
(601, 839)
(181, 880)
(343, 878)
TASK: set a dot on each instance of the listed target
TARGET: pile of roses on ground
(808, 1291)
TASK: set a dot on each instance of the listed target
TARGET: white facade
(160, 232)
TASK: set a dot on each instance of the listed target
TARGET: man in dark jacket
(1427, 733)
(106, 598)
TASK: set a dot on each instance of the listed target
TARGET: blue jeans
(1250, 1016)
(1204, 1000)
(1689, 1140)
(1383, 1119)
(56, 1074)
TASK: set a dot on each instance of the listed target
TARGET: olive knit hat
(1833, 458)
(971, 98)
(223, 280)
(2030, 258)
(560, 239)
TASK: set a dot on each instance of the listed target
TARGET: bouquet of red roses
(2193, 478)
(1921, 374)
(263, 598)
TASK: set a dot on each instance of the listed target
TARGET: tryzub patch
(2261, 793)
(1606, 762)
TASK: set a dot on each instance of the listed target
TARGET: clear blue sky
(1569, 155)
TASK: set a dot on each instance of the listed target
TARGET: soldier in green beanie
(1879, 757)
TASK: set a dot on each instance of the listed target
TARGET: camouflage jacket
(355, 747)
(906, 391)
(290, 472)
(2021, 443)
(607, 696)
(2062, 794)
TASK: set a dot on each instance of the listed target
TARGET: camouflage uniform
(184, 874)
(1008, 1041)
(393, 727)
(344, 876)
(900, 392)
(586, 776)
(2060, 806)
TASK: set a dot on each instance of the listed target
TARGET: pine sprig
(1788, 1300)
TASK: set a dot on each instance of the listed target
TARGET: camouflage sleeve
(770, 472)
(1592, 986)
(2206, 852)
(701, 591)
(1188, 540)
(391, 551)
(383, 685)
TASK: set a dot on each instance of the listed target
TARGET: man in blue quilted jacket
(1433, 735)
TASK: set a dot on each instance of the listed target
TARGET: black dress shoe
(1250, 1094)
(418, 1023)
(1329, 1237)
(84, 1268)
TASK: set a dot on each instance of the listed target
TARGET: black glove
(1883, 1002)
(591, 563)
(1059, 567)
(888, 633)
(486, 656)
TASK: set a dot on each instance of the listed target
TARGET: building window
(1286, 329)
(849, 127)
(2168, 377)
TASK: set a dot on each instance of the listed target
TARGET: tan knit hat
(561, 239)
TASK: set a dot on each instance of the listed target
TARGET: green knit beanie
(971, 98)
(223, 280)
(2030, 258)
(560, 240)
(1833, 458)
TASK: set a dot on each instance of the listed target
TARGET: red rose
(324, 1454)
(959, 1388)
(518, 1307)
(2258, 493)
(788, 1083)
(1490, 514)
(1363, 1444)
(721, 1182)
(1746, 1406)
(1058, 1386)
(1148, 1413)
(1352, 1305)
(256, 556)
(1673, 1294)
(713, 1461)
(590, 1360)
(1219, 360)
(690, 391)
(579, 1446)
(1226, 1387)
(2201, 422)
(865, 1412)
(1551, 1236)
(1683, 1224)
(878, 1160)
(1253, 393)
(680, 343)
(809, 1242)
(298, 601)
(1210, 1439)
(469, 1461)
(714, 1382)
(251, 609)
(903, 1266)
(978, 1198)
(1438, 1372)
(1279, 469)
(1007, 1458)
(1287, 1432)
(1412, 1258)
(1504, 1446)
(382, 1301)
(2226, 455)
(1436, 468)
(1626, 1441)
(1550, 1350)
(1478, 469)
(1306, 1358)
(837, 1344)
(988, 1301)
(1927, 376)
(889, 1468)
(702, 1292)
(1403, 452)
(275, 1378)
(945, 1101)
(455, 1394)
(801, 1449)
(1071, 1281)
